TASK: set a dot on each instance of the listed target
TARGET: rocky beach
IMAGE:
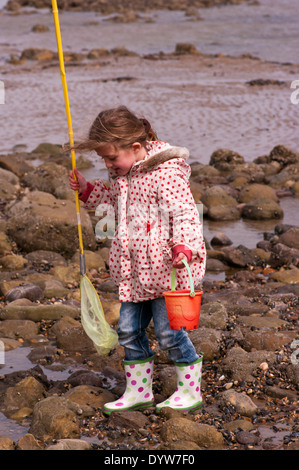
(235, 114)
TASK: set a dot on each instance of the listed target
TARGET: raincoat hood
(156, 156)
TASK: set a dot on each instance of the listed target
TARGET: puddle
(273, 437)
(16, 360)
(11, 428)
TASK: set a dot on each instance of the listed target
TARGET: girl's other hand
(177, 262)
(79, 184)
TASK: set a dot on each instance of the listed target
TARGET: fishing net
(93, 319)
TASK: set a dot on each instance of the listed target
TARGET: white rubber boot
(138, 393)
(187, 395)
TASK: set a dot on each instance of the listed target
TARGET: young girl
(158, 226)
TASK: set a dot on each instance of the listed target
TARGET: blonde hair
(118, 127)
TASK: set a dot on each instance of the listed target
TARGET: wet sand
(202, 102)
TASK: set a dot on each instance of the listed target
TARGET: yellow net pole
(68, 115)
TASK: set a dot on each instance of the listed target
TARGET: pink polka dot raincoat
(156, 217)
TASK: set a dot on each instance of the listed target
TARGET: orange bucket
(183, 306)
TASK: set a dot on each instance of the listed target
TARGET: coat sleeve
(97, 194)
(176, 202)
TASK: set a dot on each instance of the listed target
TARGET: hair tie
(146, 125)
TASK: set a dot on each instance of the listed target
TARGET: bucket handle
(192, 293)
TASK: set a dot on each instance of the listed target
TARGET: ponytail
(151, 135)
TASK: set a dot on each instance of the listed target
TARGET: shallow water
(11, 428)
(249, 232)
(16, 360)
(187, 108)
(268, 30)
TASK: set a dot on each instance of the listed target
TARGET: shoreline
(214, 95)
(118, 6)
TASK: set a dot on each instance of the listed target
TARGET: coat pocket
(166, 251)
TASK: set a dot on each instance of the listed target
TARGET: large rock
(70, 444)
(266, 339)
(5, 243)
(38, 312)
(6, 443)
(13, 262)
(27, 291)
(292, 370)
(213, 315)
(286, 276)
(50, 178)
(55, 288)
(94, 397)
(42, 258)
(37, 54)
(24, 278)
(129, 420)
(24, 394)
(240, 256)
(221, 239)
(218, 196)
(241, 365)
(112, 310)
(67, 274)
(55, 418)
(262, 209)
(224, 159)
(285, 178)
(9, 185)
(182, 429)
(290, 238)
(241, 402)
(215, 265)
(250, 171)
(48, 149)
(283, 155)
(283, 255)
(93, 260)
(223, 212)
(24, 329)
(168, 380)
(16, 163)
(71, 336)
(255, 191)
(9, 176)
(42, 222)
(10, 344)
(206, 341)
(28, 442)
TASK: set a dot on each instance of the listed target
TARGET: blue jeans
(135, 317)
